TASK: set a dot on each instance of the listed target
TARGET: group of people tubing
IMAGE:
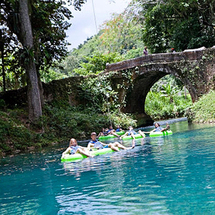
(94, 143)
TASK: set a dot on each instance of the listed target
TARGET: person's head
(157, 125)
(93, 135)
(130, 128)
(73, 142)
(118, 126)
(145, 47)
(110, 127)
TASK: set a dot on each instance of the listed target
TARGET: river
(161, 175)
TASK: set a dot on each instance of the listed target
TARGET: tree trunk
(34, 100)
(2, 59)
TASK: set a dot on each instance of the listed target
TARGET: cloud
(84, 25)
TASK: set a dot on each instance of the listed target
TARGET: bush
(203, 110)
(161, 107)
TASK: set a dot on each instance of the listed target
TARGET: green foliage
(2, 104)
(49, 23)
(60, 121)
(97, 63)
(133, 53)
(13, 134)
(51, 74)
(71, 122)
(121, 33)
(119, 38)
(167, 99)
(160, 107)
(203, 110)
(99, 94)
(178, 24)
(121, 119)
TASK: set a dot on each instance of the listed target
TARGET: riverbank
(203, 110)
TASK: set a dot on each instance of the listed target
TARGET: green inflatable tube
(111, 136)
(157, 134)
(77, 156)
(137, 136)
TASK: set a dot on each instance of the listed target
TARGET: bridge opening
(167, 98)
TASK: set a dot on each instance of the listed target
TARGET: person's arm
(104, 144)
(81, 151)
(165, 129)
(82, 147)
(126, 134)
(67, 151)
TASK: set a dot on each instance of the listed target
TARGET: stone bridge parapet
(187, 55)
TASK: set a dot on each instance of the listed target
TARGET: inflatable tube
(157, 134)
(111, 136)
(137, 136)
(77, 156)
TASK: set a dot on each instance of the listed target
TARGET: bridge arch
(143, 79)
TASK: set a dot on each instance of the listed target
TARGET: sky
(84, 25)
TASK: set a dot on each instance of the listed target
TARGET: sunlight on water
(161, 175)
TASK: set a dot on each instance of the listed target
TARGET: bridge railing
(189, 54)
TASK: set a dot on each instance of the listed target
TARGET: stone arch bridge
(195, 68)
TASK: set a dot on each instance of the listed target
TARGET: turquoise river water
(161, 175)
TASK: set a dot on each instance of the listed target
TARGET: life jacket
(132, 131)
(158, 129)
(74, 149)
(96, 144)
(109, 131)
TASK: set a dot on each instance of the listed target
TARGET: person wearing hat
(94, 143)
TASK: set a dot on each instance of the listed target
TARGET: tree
(180, 24)
(2, 41)
(26, 37)
(97, 63)
(40, 27)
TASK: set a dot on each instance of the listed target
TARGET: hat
(93, 133)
